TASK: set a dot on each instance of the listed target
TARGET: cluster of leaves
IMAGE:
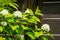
(17, 25)
(33, 20)
(8, 4)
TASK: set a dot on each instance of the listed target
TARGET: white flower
(27, 11)
(45, 27)
(4, 23)
(4, 12)
(17, 14)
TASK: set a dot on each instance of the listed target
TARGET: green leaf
(30, 34)
(11, 20)
(19, 30)
(1, 38)
(15, 4)
(44, 38)
(31, 12)
(14, 27)
(1, 8)
(9, 15)
(37, 19)
(41, 33)
(24, 27)
(25, 17)
(49, 34)
(36, 34)
(1, 28)
(38, 12)
(25, 22)
(33, 19)
(17, 20)
(36, 28)
(11, 4)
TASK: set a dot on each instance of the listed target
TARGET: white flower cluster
(4, 23)
(45, 27)
(4, 12)
(17, 14)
